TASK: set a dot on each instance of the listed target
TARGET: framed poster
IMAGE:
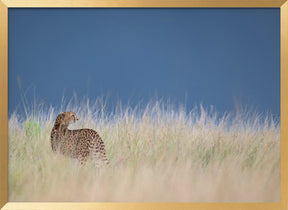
(144, 105)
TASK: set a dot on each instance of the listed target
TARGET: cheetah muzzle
(80, 143)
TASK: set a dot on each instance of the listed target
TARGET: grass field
(157, 153)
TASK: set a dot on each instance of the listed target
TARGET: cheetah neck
(60, 128)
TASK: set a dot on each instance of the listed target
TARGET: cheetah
(80, 144)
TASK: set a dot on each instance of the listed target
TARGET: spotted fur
(80, 144)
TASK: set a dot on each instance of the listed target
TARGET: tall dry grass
(158, 153)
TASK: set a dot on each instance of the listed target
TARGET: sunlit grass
(157, 153)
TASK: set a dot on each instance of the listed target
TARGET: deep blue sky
(192, 56)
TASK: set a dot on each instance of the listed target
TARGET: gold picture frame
(5, 4)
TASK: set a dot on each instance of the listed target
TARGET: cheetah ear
(60, 118)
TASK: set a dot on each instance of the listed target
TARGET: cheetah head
(66, 118)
